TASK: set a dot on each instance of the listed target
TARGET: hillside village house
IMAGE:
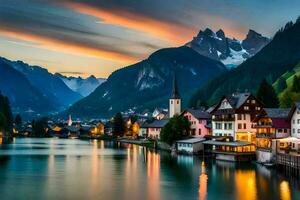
(233, 116)
(292, 144)
(272, 124)
(199, 120)
(154, 128)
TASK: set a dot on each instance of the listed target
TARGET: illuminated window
(246, 107)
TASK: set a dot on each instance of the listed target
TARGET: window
(199, 131)
(244, 126)
(298, 130)
(239, 117)
(229, 126)
(246, 107)
(171, 101)
(293, 145)
(293, 121)
(225, 126)
(279, 130)
(244, 116)
(239, 126)
(253, 101)
(293, 130)
(298, 121)
(177, 101)
(200, 121)
(218, 126)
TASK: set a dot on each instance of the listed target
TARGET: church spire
(175, 93)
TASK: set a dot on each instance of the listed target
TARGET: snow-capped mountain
(81, 85)
(229, 51)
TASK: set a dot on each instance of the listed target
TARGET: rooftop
(277, 112)
(157, 124)
(232, 144)
(199, 113)
(191, 140)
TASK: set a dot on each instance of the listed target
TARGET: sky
(81, 38)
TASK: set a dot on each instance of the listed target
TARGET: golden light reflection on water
(203, 182)
(153, 175)
(245, 181)
(285, 192)
(95, 170)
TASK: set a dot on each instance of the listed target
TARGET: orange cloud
(67, 47)
(174, 33)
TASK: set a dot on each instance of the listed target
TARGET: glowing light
(285, 192)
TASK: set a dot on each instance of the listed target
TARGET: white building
(233, 116)
(190, 146)
(295, 120)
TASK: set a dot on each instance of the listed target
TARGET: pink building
(200, 122)
(154, 128)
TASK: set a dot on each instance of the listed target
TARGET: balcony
(223, 118)
(266, 135)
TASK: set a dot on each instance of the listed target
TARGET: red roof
(281, 123)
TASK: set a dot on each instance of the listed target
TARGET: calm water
(74, 169)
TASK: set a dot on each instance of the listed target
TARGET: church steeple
(175, 93)
(174, 101)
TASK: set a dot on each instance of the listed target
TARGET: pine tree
(296, 84)
(118, 125)
(18, 120)
(267, 95)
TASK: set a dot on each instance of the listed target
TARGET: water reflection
(74, 169)
(203, 182)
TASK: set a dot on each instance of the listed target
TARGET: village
(238, 128)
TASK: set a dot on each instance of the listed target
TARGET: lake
(33, 168)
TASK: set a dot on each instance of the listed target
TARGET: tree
(6, 111)
(177, 128)
(281, 84)
(267, 95)
(296, 84)
(18, 120)
(2, 122)
(39, 127)
(119, 126)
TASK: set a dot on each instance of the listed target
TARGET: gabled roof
(277, 112)
(199, 113)
(296, 105)
(157, 124)
(236, 100)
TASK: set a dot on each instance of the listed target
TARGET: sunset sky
(81, 38)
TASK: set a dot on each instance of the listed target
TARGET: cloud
(63, 30)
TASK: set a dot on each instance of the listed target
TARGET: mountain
(230, 52)
(49, 85)
(80, 85)
(23, 96)
(148, 84)
(277, 57)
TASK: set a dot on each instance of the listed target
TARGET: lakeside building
(200, 122)
(272, 124)
(291, 144)
(233, 117)
(190, 146)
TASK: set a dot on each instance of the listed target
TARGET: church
(154, 128)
